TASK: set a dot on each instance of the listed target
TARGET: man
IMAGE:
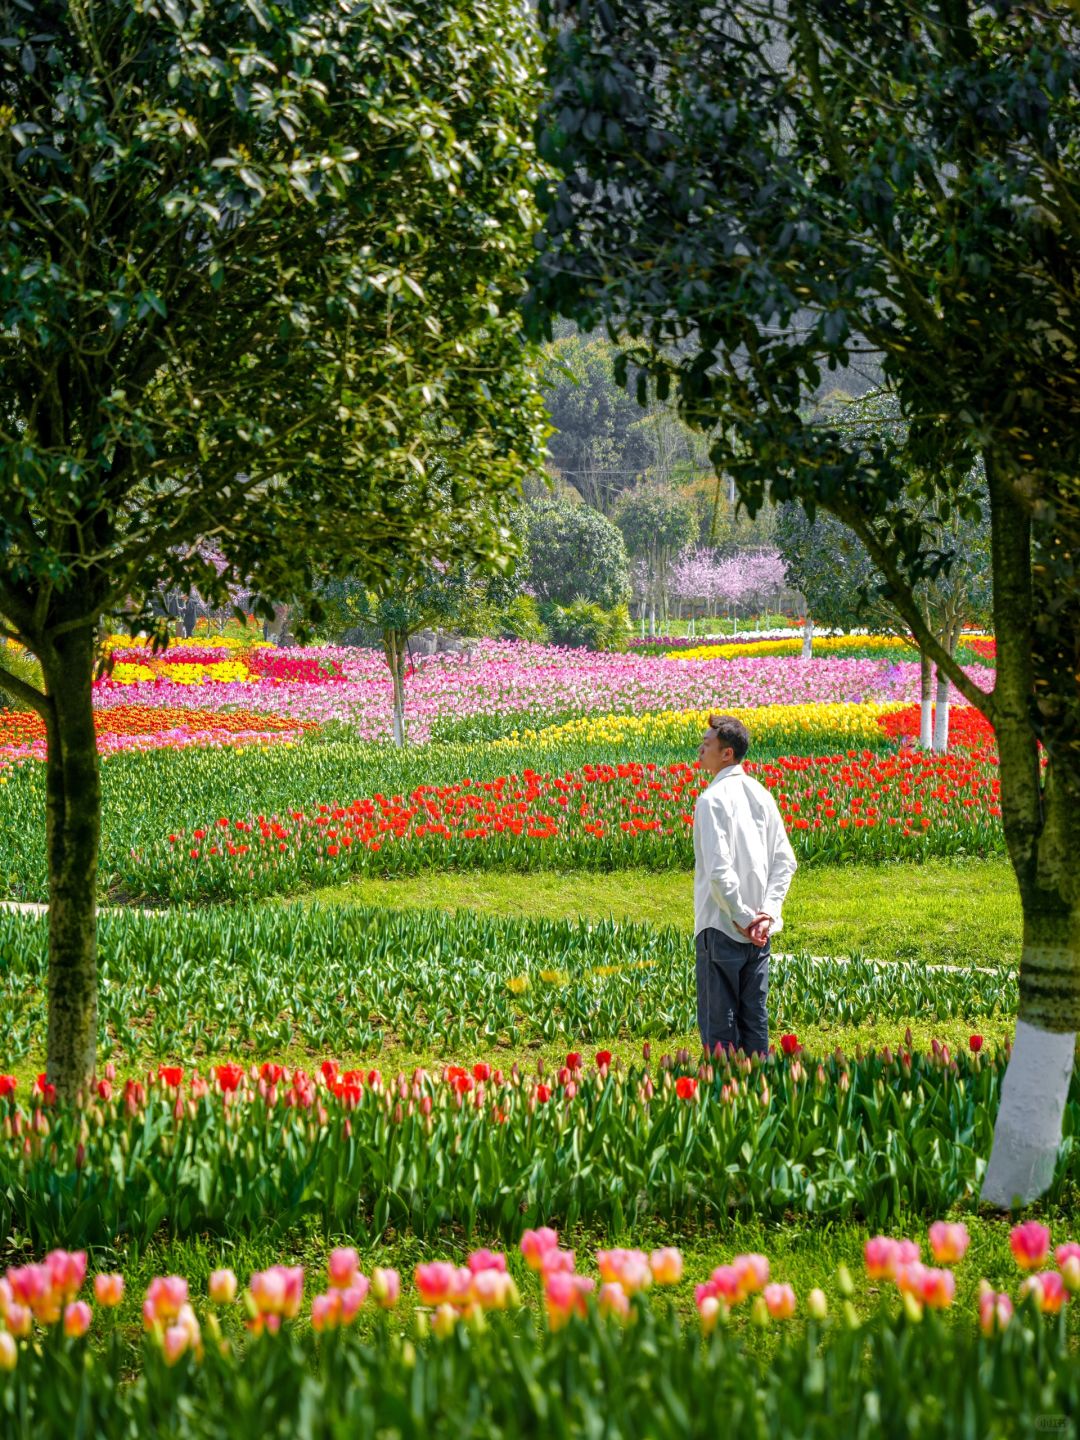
(743, 864)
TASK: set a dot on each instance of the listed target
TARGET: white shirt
(743, 860)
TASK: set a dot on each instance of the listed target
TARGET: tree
(656, 524)
(593, 444)
(575, 553)
(259, 265)
(748, 195)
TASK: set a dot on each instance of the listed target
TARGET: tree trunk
(941, 715)
(1041, 820)
(808, 638)
(926, 706)
(394, 648)
(72, 835)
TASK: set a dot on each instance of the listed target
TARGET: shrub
(585, 626)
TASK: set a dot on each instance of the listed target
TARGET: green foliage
(334, 980)
(520, 620)
(231, 288)
(879, 1137)
(586, 626)
(510, 1375)
(575, 554)
(23, 667)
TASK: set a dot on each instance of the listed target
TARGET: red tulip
(789, 1044)
(975, 1043)
(229, 1076)
(603, 1059)
(686, 1087)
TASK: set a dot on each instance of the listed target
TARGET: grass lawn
(959, 913)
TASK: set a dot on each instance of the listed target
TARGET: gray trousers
(732, 988)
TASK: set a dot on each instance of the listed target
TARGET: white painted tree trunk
(941, 715)
(926, 703)
(1027, 1134)
(808, 638)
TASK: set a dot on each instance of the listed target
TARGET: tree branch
(20, 690)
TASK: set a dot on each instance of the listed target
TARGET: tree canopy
(259, 269)
(575, 553)
(750, 196)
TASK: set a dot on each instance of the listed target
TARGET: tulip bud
(817, 1307)
(851, 1318)
(912, 1308)
(844, 1282)
(759, 1312)
(9, 1351)
(1070, 1273)
(222, 1287)
(646, 1052)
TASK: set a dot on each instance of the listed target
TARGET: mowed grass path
(940, 912)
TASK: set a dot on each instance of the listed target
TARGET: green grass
(963, 913)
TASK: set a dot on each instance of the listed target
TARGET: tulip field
(354, 1169)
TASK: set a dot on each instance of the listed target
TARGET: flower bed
(241, 1151)
(612, 1358)
(858, 805)
(329, 980)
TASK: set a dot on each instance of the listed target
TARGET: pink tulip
(494, 1290)
(1048, 1291)
(67, 1271)
(995, 1312)
(710, 1310)
(77, 1317)
(753, 1272)
(1029, 1243)
(9, 1351)
(342, 1267)
(628, 1268)
(727, 1284)
(613, 1301)
(164, 1296)
(385, 1287)
(948, 1242)
(108, 1290)
(486, 1260)
(909, 1278)
(222, 1287)
(535, 1244)
(937, 1288)
(174, 1344)
(565, 1295)
(557, 1262)
(667, 1265)
(353, 1298)
(326, 1311)
(435, 1281)
(1070, 1273)
(18, 1320)
(779, 1301)
(1069, 1251)
(278, 1290)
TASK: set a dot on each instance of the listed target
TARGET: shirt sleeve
(782, 866)
(720, 867)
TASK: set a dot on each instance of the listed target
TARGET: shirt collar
(735, 769)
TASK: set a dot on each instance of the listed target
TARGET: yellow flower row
(195, 642)
(823, 645)
(781, 724)
(127, 672)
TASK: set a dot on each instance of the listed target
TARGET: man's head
(724, 743)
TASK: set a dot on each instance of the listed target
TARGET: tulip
(174, 1344)
(817, 1307)
(995, 1312)
(710, 1312)
(9, 1351)
(326, 1311)
(535, 1244)
(558, 1262)
(667, 1265)
(164, 1296)
(780, 1301)
(108, 1290)
(385, 1287)
(1048, 1291)
(1029, 1243)
(222, 1287)
(789, 1044)
(753, 1272)
(77, 1317)
(353, 1298)
(67, 1271)
(18, 1320)
(342, 1267)
(975, 1043)
(948, 1242)
(1070, 1250)
(603, 1059)
(686, 1087)
(613, 1301)
(565, 1295)
(937, 1288)
(444, 1321)
(1070, 1274)
(435, 1281)
(486, 1260)
(727, 1283)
